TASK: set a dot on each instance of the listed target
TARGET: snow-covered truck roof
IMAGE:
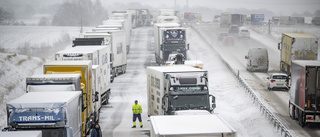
(44, 99)
(177, 68)
(300, 35)
(68, 63)
(50, 76)
(190, 125)
(307, 62)
(167, 24)
(82, 49)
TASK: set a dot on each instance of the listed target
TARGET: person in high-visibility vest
(136, 110)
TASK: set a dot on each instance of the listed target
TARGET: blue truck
(56, 114)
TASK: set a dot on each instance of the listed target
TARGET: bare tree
(6, 18)
(73, 11)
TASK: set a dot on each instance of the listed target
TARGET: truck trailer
(236, 19)
(174, 88)
(54, 113)
(206, 125)
(297, 46)
(225, 20)
(97, 42)
(169, 38)
(304, 103)
(99, 55)
(85, 69)
(118, 49)
(125, 25)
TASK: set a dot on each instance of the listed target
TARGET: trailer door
(312, 88)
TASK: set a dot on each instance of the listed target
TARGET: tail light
(310, 118)
(272, 80)
(250, 63)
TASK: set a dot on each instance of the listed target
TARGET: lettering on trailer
(36, 118)
(104, 59)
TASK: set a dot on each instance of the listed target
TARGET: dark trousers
(135, 116)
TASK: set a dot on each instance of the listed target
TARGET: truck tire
(116, 72)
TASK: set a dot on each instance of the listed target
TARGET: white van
(257, 59)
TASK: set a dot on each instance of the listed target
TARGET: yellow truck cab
(85, 69)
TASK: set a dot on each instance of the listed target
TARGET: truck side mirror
(188, 47)
(96, 96)
(161, 47)
(246, 57)
(164, 103)
(279, 46)
(213, 101)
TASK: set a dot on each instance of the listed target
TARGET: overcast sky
(278, 6)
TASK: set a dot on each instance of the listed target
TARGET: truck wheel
(116, 72)
(292, 115)
(105, 102)
(123, 69)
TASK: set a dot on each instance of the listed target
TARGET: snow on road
(233, 104)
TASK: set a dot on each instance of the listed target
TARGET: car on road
(234, 29)
(244, 33)
(277, 81)
(222, 35)
(228, 40)
(257, 59)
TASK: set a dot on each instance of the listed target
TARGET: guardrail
(274, 120)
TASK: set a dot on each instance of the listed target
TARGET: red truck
(304, 103)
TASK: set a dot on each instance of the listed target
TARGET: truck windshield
(182, 102)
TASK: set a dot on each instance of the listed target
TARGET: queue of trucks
(65, 100)
(300, 60)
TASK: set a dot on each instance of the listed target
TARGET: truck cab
(184, 92)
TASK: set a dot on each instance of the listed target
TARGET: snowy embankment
(14, 69)
(23, 51)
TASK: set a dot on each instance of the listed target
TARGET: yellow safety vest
(136, 109)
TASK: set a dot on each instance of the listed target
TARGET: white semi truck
(174, 88)
(169, 38)
(198, 125)
(54, 113)
(123, 18)
(117, 41)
